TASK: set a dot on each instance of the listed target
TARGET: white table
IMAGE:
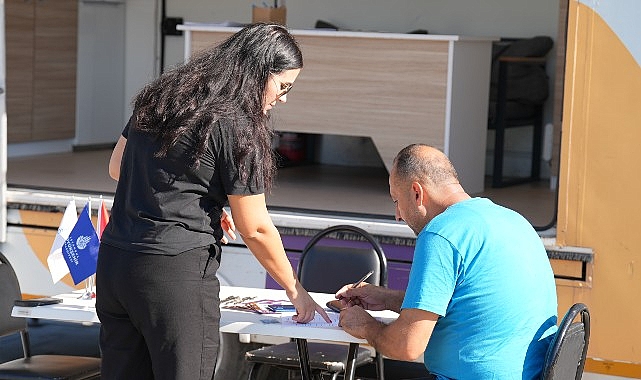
(73, 309)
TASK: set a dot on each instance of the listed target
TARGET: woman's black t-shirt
(164, 206)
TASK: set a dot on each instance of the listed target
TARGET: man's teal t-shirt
(485, 271)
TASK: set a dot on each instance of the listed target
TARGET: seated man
(481, 299)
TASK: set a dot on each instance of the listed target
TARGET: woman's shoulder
(228, 127)
(228, 122)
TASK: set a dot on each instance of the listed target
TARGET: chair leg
(499, 127)
(499, 142)
(380, 370)
(303, 355)
(253, 370)
(350, 369)
(537, 145)
(26, 343)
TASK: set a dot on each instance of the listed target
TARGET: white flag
(56, 261)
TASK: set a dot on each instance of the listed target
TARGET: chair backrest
(327, 267)
(9, 292)
(519, 85)
(566, 355)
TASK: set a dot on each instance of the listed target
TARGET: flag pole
(92, 278)
(88, 294)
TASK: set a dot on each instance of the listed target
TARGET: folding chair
(42, 367)
(326, 268)
(566, 355)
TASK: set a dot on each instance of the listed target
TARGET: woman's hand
(260, 235)
(228, 226)
(305, 306)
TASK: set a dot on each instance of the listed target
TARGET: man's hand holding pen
(354, 300)
(367, 296)
(345, 300)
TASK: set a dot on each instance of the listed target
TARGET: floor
(338, 189)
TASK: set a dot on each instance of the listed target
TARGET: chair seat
(322, 356)
(51, 367)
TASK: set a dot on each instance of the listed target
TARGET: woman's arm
(116, 158)
(255, 226)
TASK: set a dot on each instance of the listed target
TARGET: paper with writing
(318, 321)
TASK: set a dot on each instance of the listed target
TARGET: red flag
(103, 218)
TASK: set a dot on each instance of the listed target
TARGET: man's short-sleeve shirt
(483, 269)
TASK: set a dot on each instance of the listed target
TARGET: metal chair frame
(561, 359)
(307, 268)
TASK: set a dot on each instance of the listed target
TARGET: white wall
(142, 44)
(118, 45)
(100, 71)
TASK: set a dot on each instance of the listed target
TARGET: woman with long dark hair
(198, 140)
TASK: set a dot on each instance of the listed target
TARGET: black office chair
(42, 367)
(566, 355)
(518, 91)
(326, 268)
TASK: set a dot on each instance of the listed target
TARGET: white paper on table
(318, 321)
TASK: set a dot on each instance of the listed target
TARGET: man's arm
(404, 339)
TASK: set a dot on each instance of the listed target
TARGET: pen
(363, 279)
(339, 309)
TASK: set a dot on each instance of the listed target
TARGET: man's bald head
(424, 164)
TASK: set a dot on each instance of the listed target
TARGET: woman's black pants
(159, 314)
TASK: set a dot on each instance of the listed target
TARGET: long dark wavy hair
(227, 81)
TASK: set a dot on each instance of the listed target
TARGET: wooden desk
(397, 89)
(73, 309)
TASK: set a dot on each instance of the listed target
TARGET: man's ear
(419, 193)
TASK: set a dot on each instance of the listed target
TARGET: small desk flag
(103, 219)
(80, 250)
(55, 260)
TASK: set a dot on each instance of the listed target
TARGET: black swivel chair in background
(566, 355)
(518, 90)
(325, 266)
(41, 367)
